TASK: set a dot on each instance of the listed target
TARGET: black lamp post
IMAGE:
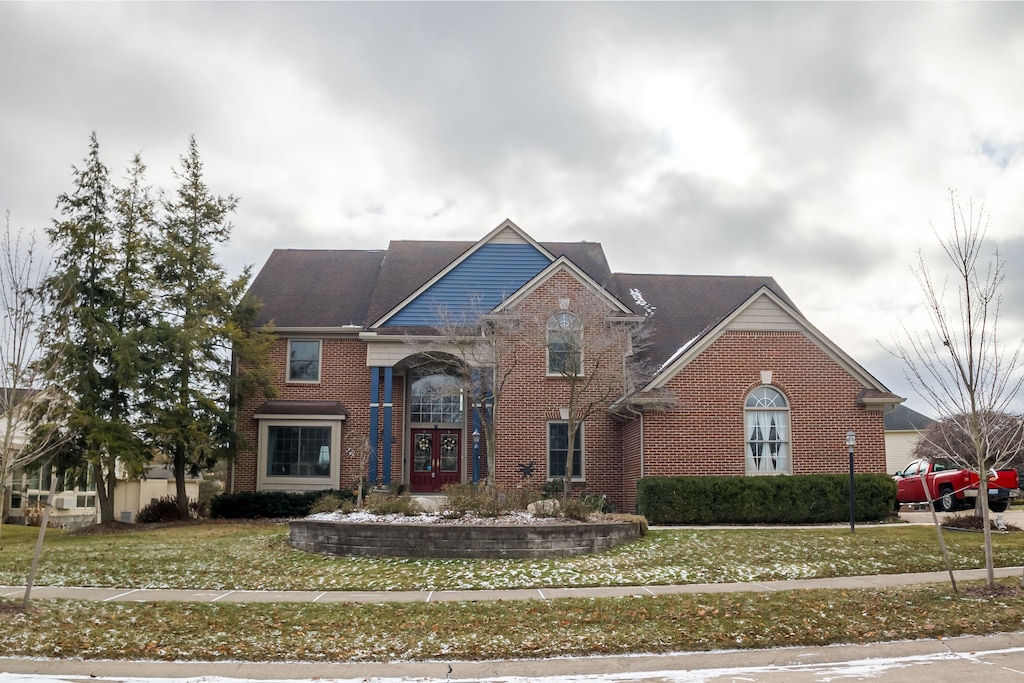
(851, 441)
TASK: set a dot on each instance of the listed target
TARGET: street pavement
(998, 658)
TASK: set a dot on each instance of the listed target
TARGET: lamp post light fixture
(851, 441)
(476, 455)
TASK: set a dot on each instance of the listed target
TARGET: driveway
(1013, 515)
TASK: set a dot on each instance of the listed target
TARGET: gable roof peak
(508, 232)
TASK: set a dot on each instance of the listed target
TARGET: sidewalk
(188, 595)
(998, 657)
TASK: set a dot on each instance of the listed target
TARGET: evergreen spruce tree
(204, 322)
(91, 326)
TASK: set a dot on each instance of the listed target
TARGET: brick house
(739, 382)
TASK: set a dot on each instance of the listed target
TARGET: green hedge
(269, 504)
(800, 499)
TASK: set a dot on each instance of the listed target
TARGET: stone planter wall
(454, 540)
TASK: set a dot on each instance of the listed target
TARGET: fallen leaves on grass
(500, 630)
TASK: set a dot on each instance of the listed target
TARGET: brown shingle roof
(283, 407)
(686, 306)
(336, 288)
(316, 288)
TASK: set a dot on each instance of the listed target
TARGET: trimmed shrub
(269, 504)
(798, 499)
(166, 510)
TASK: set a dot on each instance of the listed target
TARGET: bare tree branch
(958, 364)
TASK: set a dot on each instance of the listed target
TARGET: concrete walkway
(188, 595)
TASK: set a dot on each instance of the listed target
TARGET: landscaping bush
(574, 508)
(329, 502)
(388, 504)
(799, 499)
(484, 501)
(623, 517)
(166, 510)
(269, 504)
(598, 502)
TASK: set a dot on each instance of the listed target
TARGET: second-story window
(565, 344)
(304, 360)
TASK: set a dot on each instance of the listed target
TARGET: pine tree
(91, 326)
(203, 321)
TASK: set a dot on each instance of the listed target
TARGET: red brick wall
(704, 433)
(531, 399)
(632, 458)
(343, 377)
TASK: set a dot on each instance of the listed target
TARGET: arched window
(565, 344)
(767, 432)
(436, 397)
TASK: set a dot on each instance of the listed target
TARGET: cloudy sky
(815, 143)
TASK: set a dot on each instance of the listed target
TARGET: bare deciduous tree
(958, 364)
(485, 346)
(24, 397)
(594, 350)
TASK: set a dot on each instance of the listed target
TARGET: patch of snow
(680, 351)
(509, 519)
(638, 297)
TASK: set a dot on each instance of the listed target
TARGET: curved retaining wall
(454, 540)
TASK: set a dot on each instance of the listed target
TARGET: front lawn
(498, 630)
(246, 556)
(255, 556)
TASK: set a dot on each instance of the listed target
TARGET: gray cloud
(811, 142)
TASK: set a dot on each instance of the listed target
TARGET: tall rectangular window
(565, 344)
(304, 360)
(298, 451)
(558, 450)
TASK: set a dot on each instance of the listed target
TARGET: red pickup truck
(952, 488)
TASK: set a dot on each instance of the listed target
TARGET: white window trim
(319, 362)
(789, 433)
(576, 476)
(265, 482)
(547, 349)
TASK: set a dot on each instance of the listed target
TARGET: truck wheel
(997, 505)
(947, 501)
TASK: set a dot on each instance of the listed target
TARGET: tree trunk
(104, 491)
(179, 484)
(990, 572)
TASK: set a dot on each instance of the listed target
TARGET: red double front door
(436, 456)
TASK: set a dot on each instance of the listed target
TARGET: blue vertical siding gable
(481, 282)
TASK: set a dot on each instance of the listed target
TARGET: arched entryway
(436, 423)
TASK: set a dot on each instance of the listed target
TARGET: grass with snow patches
(244, 556)
(499, 630)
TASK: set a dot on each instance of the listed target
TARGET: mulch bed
(1000, 590)
(975, 523)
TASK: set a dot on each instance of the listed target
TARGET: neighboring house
(13, 437)
(903, 428)
(74, 503)
(743, 384)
